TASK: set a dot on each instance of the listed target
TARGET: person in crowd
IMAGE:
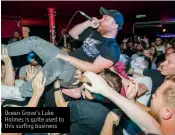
(38, 86)
(162, 105)
(15, 38)
(26, 32)
(169, 51)
(99, 50)
(159, 46)
(167, 70)
(153, 44)
(144, 89)
(34, 63)
(8, 82)
(129, 49)
(153, 57)
(88, 116)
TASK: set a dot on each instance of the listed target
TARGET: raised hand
(99, 85)
(38, 84)
(113, 117)
(78, 76)
(125, 40)
(4, 56)
(132, 90)
(145, 40)
(94, 23)
(31, 72)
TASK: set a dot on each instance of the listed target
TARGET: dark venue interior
(116, 75)
(33, 11)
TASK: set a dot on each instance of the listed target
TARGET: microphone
(85, 15)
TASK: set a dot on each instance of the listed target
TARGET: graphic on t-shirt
(89, 47)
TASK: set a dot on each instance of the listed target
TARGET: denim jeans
(53, 69)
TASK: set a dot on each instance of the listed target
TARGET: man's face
(107, 24)
(158, 41)
(122, 46)
(15, 34)
(34, 63)
(139, 47)
(130, 44)
(169, 51)
(147, 53)
(152, 50)
(153, 44)
(168, 66)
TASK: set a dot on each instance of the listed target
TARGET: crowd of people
(126, 89)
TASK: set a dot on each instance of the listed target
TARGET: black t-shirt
(156, 77)
(87, 117)
(94, 45)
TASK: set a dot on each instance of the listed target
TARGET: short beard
(155, 116)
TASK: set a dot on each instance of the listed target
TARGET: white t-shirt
(148, 83)
(160, 49)
(12, 92)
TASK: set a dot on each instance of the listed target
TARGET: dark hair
(112, 79)
(155, 54)
(149, 62)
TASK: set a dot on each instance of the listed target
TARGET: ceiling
(65, 9)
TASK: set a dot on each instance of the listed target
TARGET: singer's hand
(94, 23)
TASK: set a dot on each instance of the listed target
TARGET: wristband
(57, 89)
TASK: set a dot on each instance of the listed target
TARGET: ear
(115, 26)
(166, 113)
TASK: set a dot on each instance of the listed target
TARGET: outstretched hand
(99, 85)
(78, 76)
(31, 72)
(38, 84)
(132, 90)
(4, 56)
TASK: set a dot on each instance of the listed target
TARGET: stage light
(164, 30)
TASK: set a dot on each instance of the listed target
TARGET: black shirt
(87, 117)
(157, 79)
(94, 45)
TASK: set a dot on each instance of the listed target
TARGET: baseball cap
(118, 17)
(30, 57)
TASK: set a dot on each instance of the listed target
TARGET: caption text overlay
(35, 120)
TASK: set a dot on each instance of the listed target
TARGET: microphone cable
(65, 30)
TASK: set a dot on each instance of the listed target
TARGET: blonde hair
(169, 94)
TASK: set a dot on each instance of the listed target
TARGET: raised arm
(145, 121)
(111, 119)
(59, 99)
(97, 66)
(78, 29)
(9, 78)
(38, 85)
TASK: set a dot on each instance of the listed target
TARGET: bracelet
(57, 89)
